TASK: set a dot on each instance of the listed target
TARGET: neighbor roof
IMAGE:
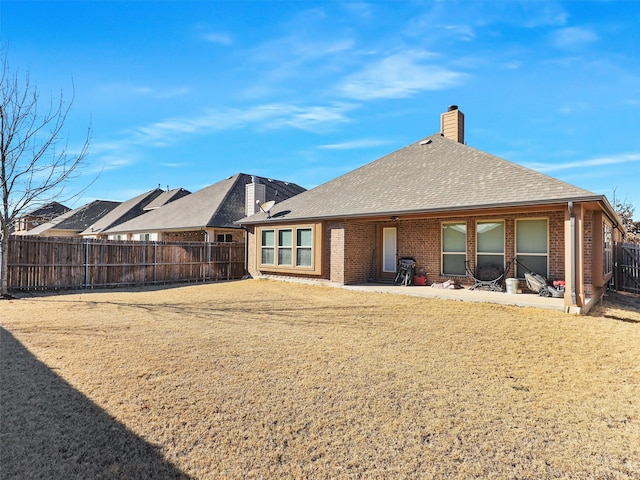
(434, 174)
(50, 210)
(77, 219)
(166, 197)
(218, 205)
(125, 211)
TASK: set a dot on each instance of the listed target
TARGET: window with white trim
(267, 247)
(454, 248)
(532, 246)
(490, 244)
(304, 247)
(287, 248)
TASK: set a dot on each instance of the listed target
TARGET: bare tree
(36, 160)
(632, 229)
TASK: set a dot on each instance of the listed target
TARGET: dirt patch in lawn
(263, 379)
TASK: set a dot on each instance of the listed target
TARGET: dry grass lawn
(263, 379)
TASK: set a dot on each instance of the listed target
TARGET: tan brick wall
(251, 245)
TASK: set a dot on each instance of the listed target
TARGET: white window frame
(268, 247)
(519, 254)
(452, 253)
(504, 242)
(294, 248)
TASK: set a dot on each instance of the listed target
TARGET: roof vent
(425, 142)
(453, 107)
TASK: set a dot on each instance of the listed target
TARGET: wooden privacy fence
(627, 267)
(52, 263)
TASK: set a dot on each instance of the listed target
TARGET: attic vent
(425, 142)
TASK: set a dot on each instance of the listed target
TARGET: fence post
(86, 263)
(155, 261)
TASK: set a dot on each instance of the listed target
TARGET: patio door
(389, 249)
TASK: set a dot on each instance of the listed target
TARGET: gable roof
(50, 210)
(166, 197)
(434, 174)
(218, 205)
(77, 219)
(123, 212)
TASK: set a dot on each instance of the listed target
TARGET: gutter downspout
(572, 240)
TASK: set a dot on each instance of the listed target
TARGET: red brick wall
(359, 252)
(421, 239)
(349, 257)
(587, 223)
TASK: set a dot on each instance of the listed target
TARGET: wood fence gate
(54, 263)
(627, 267)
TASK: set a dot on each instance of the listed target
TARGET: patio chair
(488, 277)
(406, 271)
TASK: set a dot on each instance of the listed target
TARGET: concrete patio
(465, 295)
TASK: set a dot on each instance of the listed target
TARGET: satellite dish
(266, 206)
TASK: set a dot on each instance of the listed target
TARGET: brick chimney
(452, 124)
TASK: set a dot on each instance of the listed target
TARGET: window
(268, 247)
(289, 249)
(224, 237)
(285, 239)
(532, 246)
(608, 248)
(145, 237)
(304, 242)
(454, 248)
(490, 244)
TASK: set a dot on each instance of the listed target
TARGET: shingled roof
(50, 210)
(77, 219)
(431, 175)
(125, 211)
(218, 205)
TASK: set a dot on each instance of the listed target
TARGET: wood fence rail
(55, 263)
(627, 267)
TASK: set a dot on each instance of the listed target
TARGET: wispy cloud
(399, 75)
(130, 90)
(355, 144)
(269, 116)
(573, 37)
(219, 38)
(581, 164)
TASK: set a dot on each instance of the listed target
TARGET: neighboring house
(131, 209)
(38, 216)
(166, 197)
(73, 222)
(208, 214)
(440, 202)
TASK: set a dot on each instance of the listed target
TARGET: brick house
(208, 214)
(38, 216)
(442, 203)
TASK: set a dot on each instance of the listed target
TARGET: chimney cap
(452, 108)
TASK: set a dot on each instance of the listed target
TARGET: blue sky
(184, 94)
